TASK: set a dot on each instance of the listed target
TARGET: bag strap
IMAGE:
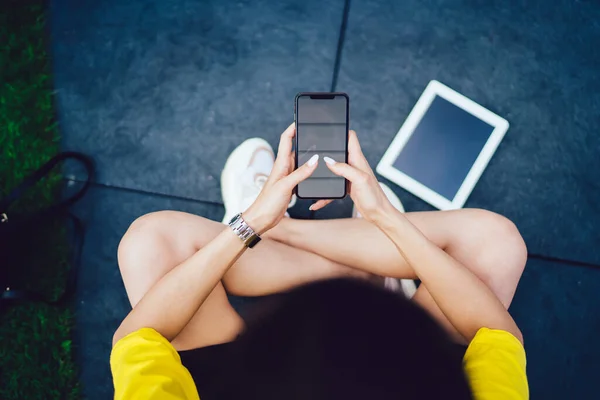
(44, 170)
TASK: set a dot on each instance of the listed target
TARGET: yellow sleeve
(495, 366)
(145, 365)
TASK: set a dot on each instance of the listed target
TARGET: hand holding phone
(321, 128)
(367, 195)
(272, 202)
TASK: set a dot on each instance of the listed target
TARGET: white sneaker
(406, 286)
(245, 173)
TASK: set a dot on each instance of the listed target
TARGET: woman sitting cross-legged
(332, 330)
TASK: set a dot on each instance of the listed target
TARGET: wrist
(259, 223)
(385, 215)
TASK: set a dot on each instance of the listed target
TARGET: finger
(319, 204)
(349, 172)
(355, 154)
(282, 162)
(300, 174)
(291, 163)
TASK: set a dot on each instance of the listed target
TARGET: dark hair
(346, 339)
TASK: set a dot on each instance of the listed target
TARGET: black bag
(16, 229)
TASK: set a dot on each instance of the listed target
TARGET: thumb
(303, 172)
(354, 175)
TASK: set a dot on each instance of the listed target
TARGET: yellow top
(146, 366)
(495, 366)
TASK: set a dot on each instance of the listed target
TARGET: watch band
(244, 232)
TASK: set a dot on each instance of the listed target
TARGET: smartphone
(321, 128)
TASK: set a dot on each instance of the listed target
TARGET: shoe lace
(254, 182)
(260, 180)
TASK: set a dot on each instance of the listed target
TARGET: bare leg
(157, 242)
(486, 243)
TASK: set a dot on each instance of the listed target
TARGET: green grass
(35, 344)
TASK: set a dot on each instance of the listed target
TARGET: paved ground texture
(160, 92)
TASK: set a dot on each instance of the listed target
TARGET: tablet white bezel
(435, 88)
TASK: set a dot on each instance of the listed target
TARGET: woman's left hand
(270, 206)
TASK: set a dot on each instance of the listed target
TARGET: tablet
(443, 147)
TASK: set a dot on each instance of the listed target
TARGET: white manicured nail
(313, 160)
(329, 161)
(311, 207)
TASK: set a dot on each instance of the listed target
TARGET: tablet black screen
(443, 147)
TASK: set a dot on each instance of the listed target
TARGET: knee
(504, 245)
(146, 225)
(142, 235)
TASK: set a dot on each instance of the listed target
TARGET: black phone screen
(322, 128)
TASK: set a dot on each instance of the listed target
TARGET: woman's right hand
(365, 191)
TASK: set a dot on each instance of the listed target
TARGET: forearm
(464, 299)
(354, 242)
(170, 304)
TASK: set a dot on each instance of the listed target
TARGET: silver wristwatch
(244, 232)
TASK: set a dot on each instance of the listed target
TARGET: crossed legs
(300, 251)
